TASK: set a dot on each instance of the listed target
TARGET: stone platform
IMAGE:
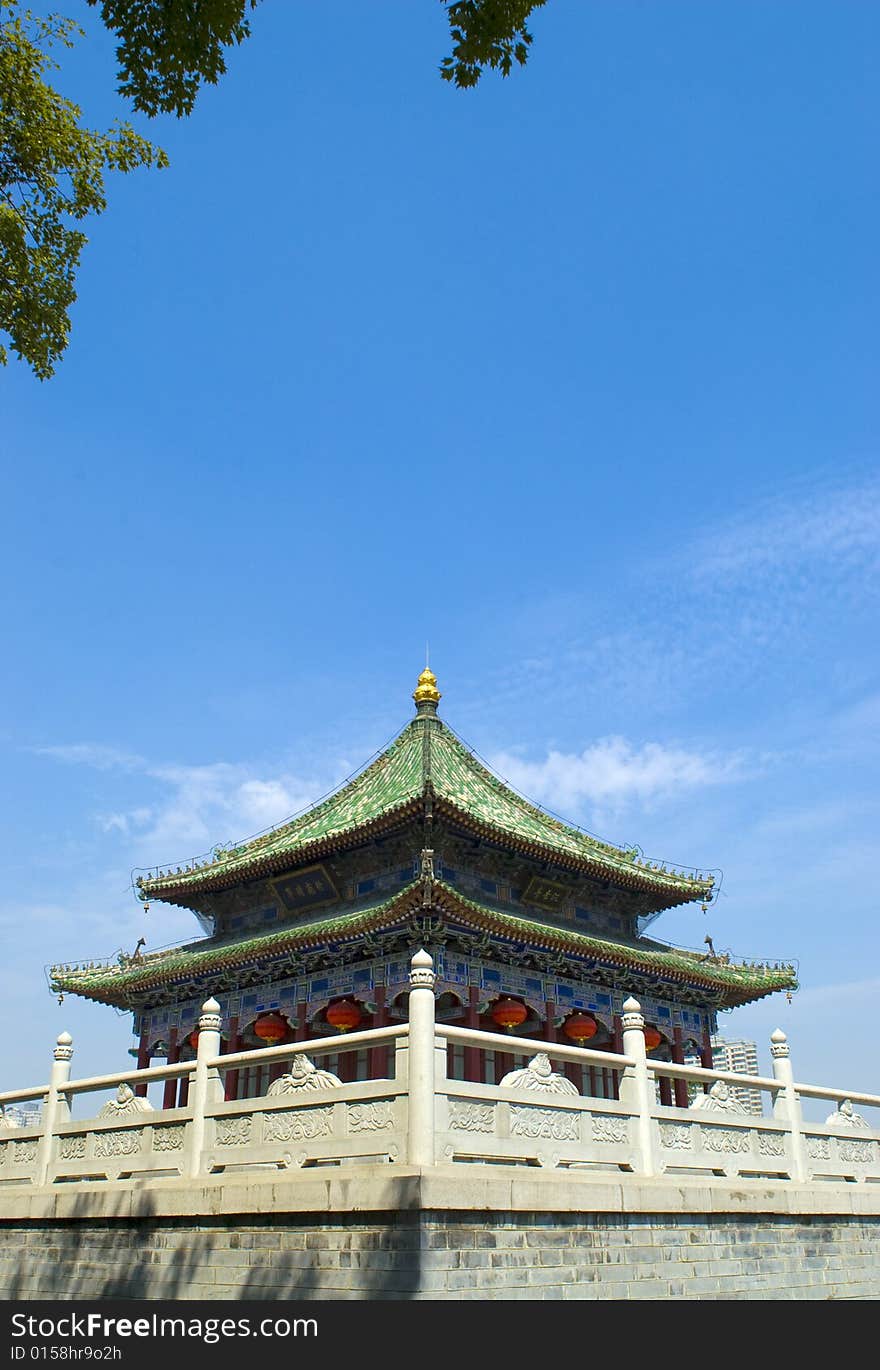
(370, 1232)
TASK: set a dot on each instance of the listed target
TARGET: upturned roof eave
(669, 889)
(225, 875)
(633, 878)
(736, 985)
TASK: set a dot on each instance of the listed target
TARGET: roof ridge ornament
(426, 694)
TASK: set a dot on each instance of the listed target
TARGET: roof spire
(426, 694)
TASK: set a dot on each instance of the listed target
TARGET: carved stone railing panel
(308, 1126)
(556, 1124)
(23, 1152)
(485, 1122)
(110, 1153)
(371, 1117)
(609, 1131)
(234, 1131)
(171, 1137)
(705, 1141)
(728, 1141)
(471, 1117)
(302, 1126)
(844, 1152)
(127, 1143)
(678, 1136)
(860, 1152)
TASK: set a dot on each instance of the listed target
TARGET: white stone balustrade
(421, 1118)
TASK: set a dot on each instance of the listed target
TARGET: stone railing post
(420, 1063)
(787, 1104)
(636, 1084)
(56, 1108)
(206, 1086)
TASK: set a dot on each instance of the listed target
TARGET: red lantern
(652, 1037)
(193, 1039)
(580, 1027)
(344, 1015)
(270, 1028)
(509, 1014)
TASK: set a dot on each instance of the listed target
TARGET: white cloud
(612, 773)
(219, 802)
(833, 524)
(93, 754)
(192, 808)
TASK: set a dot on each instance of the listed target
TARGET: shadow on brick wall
(133, 1252)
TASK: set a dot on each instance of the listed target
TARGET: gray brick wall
(443, 1255)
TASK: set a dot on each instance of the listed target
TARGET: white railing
(419, 1116)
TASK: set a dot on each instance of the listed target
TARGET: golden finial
(426, 692)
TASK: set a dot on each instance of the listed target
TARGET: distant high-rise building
(28, 1115)
(741, 1057)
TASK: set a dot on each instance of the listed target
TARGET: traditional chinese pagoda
(535, 928)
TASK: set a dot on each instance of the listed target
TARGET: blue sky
(574, 374)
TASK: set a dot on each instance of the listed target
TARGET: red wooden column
(347, 1068)
(473, 1065)
(707, 1057)
(183, 1088)
(571, 1069)
(278, 1068)
(378, 1059)
(503, 1064)
(230, 1091)
(665, 1091)
(550, 1033)
(617, 1049)
(679, 1086)
(143, 1060)
(169, 1098)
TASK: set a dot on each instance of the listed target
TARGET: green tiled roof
(122, 985)
(425, 759)
(741, 983)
